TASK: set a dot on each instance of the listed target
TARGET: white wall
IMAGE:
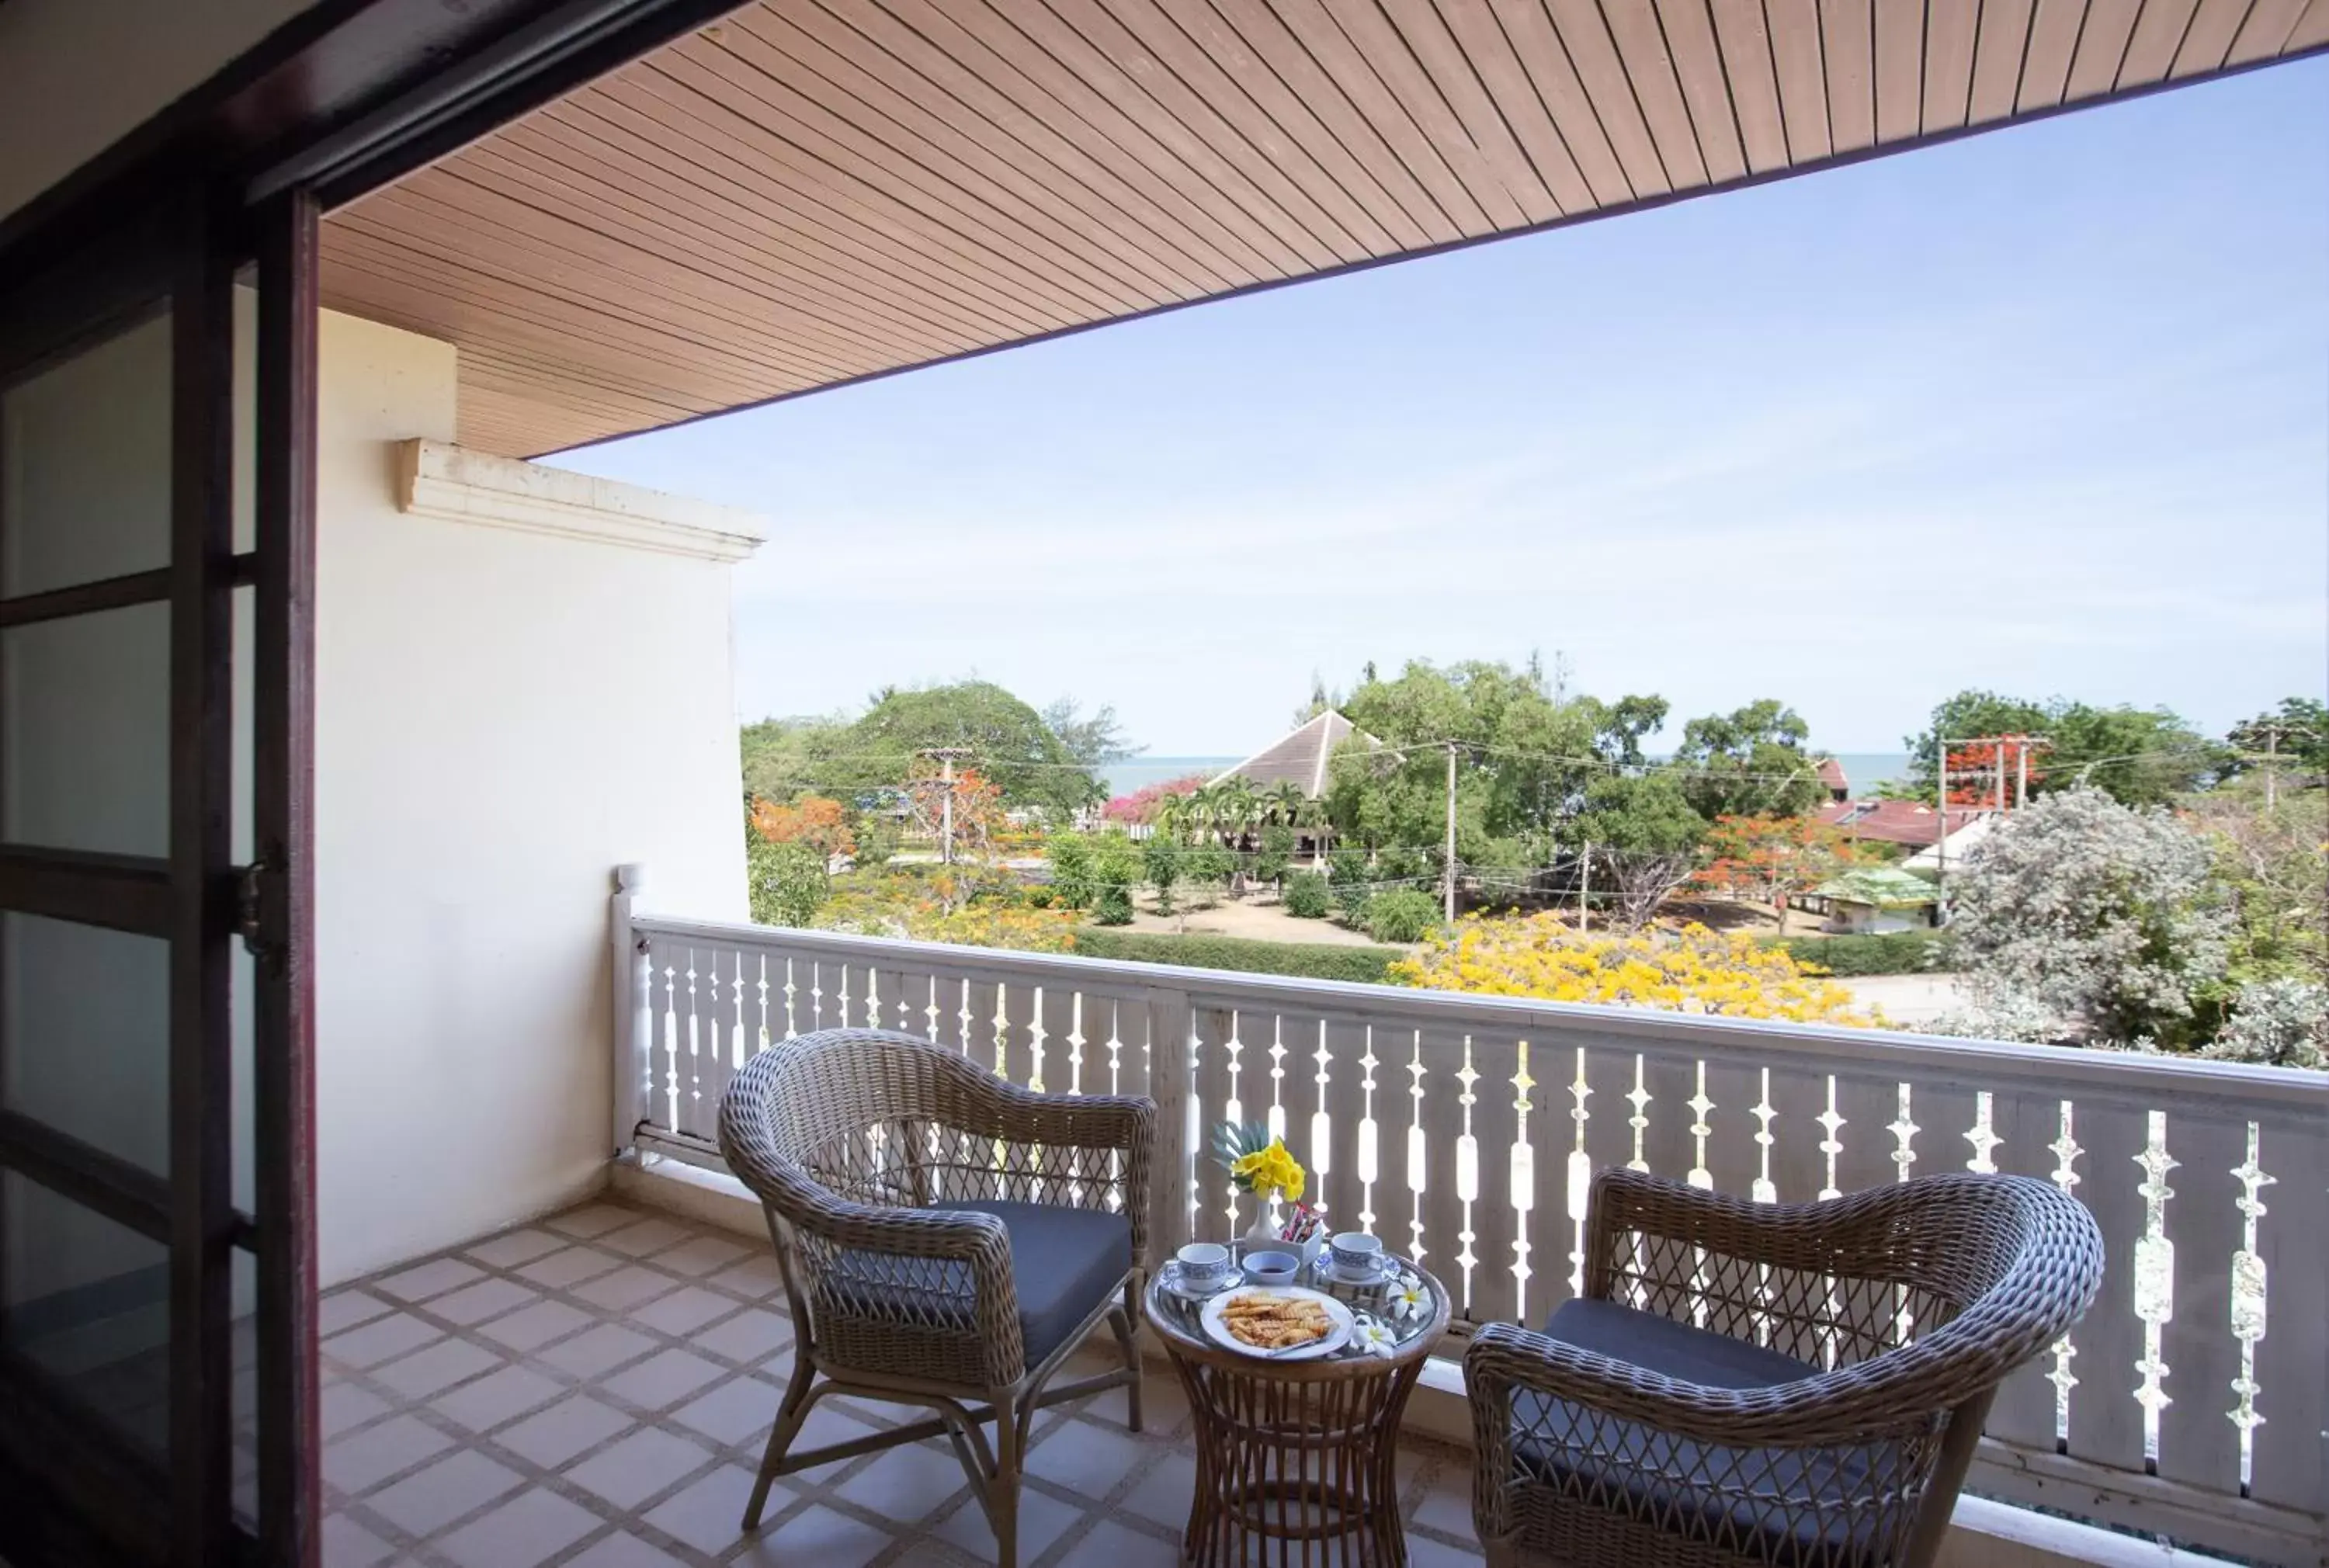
(502, 717)
(78, 75)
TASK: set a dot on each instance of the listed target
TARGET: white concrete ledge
(454, 485)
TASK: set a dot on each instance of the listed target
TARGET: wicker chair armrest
(1828, 1409)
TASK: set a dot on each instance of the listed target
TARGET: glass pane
(85, 466)
(85, 732)
(87, 1303)
(243, 978)
(85, 1034)
(245, 1285)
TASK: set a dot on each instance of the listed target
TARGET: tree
(821, 824)
(2292, 738)
(1645, 839)
(1619, 728)
(2137, 756)
(2093, 911)
(1749, 761)
(1778, 855)
(785, 882)
(1278, 844)
(786, 757)
(1692, 970)
(1008, 742)
(1094, 741)
(1522, 759)
(978, 812)
(2273, 861)
(1160, 857)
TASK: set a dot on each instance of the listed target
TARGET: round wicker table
(1295, 1458)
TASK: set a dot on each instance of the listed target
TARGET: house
(1878, 899)
(1911, 823)
(1834, 780)
(343, 1041)
(1301, 757)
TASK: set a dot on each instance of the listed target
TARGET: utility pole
(2000, 771)
(1941, 843)
(1448, 871)
(2271, 757)
(946, 756)
(2022, 784)
(1584, 888)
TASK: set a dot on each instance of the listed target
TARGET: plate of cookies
(1282, 1323)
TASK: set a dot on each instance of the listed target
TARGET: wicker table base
(1295, 1458)
(1297, 1472)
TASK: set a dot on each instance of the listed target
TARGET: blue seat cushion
(1789, 1505)
(1063, 1263)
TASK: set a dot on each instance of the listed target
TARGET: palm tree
(1175, 814)
(1287, 803)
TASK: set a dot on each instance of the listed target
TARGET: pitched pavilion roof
(1831, 774)
(806, 192)
(1299, 757)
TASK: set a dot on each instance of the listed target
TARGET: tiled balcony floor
(593, 1391)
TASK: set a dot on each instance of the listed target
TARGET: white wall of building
(78, 75)
(502, 717)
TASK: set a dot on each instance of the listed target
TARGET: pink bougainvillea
(1140, 805)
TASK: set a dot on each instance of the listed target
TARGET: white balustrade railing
(1465, 1131)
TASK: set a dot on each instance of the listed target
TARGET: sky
(2044, 411)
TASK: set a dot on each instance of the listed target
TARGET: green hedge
(1310, 959)
(1885, 953)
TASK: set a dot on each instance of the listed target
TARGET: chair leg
(1002, 1513)
(1121, 1319)
(1501, 1553)
(790, 1413)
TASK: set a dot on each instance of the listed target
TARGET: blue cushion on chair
(1787, 1505)
(1063, 1263)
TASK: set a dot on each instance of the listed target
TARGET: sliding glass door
(155, 1355)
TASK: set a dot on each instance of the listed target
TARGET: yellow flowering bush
(1272, 1172)
(1692, 970)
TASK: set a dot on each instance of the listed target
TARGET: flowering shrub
(820, 823)
(1140, 805)
(967, 906)
(1693, 970)
(2281, 1023)
(2095, 913)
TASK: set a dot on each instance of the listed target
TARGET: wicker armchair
(946, 1240)
(1743, 1383)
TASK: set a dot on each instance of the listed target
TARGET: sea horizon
(1865, 770)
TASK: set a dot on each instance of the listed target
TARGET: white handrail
(1465, 1129)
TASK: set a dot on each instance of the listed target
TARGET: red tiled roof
(1910, 822)
(1831, 774)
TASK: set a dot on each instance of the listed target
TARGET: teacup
(1271, 1268)
(1356, 1254)
(1204, 1265)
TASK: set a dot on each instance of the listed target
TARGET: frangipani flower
(1409, 1299)
(1374, 1339)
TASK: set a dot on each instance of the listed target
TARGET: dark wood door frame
(279, 909)
(347, 97)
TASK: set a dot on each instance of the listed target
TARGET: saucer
(1330, 1270)
(1169, 1281)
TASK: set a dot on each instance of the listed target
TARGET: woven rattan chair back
(1912, 1301)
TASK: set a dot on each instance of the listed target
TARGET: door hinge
(259, 911)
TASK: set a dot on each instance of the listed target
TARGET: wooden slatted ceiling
(821, 190)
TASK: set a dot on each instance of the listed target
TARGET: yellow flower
(1270, 1170)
